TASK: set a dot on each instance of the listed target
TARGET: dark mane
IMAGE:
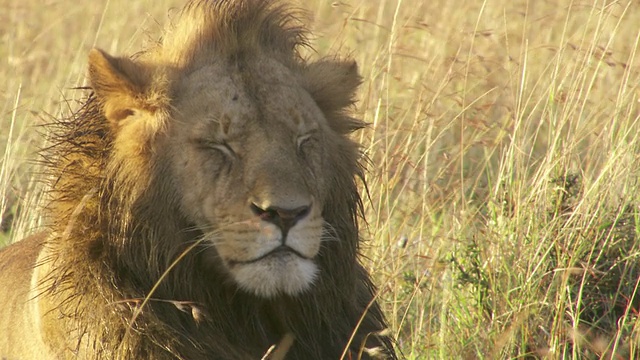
(119, 240)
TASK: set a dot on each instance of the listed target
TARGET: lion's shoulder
(18, 258)
(17, 318)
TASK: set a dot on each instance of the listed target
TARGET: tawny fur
(127, 270)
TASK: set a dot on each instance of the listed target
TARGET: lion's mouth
(281, 250)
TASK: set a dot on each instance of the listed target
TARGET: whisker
(329, 233)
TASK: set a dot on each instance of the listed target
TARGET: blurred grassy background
(503, 140)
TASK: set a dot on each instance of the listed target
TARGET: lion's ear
(333, 85)
(118, 84)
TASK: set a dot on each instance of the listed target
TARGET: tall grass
(503, 146)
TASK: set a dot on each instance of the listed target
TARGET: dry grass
(503, 218)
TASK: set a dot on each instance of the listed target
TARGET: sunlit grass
(503, 147)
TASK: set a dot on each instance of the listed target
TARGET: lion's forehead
(282, 96)
(231, 100)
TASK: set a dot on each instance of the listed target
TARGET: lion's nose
(285, 219)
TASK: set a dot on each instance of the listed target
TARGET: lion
(203, 204)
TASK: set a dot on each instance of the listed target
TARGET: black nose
(285, 219)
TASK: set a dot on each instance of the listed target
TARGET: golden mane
(126, 277)
(230, 29)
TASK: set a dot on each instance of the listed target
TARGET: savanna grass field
(503, 149)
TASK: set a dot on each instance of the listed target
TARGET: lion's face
(250, 162)
(251, 150)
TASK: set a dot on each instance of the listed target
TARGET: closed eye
(305, 139)
(222, 147)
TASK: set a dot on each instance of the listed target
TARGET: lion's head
(215, 169)
(248, 138)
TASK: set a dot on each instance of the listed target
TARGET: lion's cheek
(197, 203)
(209, 203)
(307, 240)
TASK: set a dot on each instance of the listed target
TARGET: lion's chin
(275, 275)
